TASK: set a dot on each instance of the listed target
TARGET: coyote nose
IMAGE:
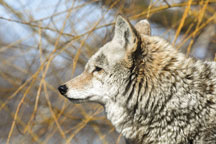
(62, 89)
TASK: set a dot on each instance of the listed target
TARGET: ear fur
(125, 33)
(127, 36)
(143, 27)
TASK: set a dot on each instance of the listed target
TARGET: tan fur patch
(80, 81)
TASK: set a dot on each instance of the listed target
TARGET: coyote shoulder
(152, 93)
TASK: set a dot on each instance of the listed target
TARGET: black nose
(63, 89)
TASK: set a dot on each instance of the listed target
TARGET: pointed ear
(127, 37)
(143, 27)
(125, 33)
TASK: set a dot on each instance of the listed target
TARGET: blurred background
(44, 43)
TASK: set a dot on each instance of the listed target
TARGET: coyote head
(113, 71)
(107, 70)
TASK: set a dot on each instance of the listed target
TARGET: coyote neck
(120, 118)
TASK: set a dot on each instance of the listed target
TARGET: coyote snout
(85, 87)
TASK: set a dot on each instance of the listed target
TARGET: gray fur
(152, 94)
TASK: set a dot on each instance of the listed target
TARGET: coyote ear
(126, 35)
(143, 27)
(124, 31)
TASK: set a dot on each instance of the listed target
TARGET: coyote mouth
(76, 100)
(84, 100)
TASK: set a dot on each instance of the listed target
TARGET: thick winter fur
(152, 94)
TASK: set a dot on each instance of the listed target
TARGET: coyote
(151, 93)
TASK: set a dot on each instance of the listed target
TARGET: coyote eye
(97, 69)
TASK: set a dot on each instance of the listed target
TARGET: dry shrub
(45, 43)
